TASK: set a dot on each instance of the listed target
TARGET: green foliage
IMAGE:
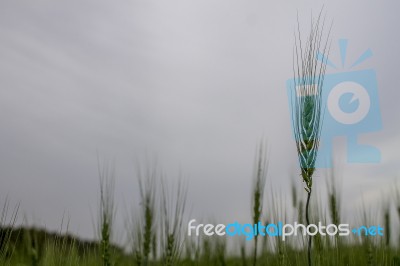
(258, 192)
(173, 206)
(7, 222)
(166, 234)
(38, 247)
(106, 213)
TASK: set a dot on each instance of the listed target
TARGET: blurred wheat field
(157, 233)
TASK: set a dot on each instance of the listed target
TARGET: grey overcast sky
(194, 83)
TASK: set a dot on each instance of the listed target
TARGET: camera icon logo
(352, 108)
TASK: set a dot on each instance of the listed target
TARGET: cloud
(198, 84)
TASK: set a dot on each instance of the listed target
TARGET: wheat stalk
(144, 235)
(6, 227)
(307, 112)
(258, 191)
(106, 212)
(173, 208)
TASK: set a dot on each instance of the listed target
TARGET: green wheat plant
(258, 191)
(173, 210)
(144, 237)
(106, 213)
(6, 222)
(307, 110)
(386, 222)
(34, 250)
(397, 202)
(334, 204)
